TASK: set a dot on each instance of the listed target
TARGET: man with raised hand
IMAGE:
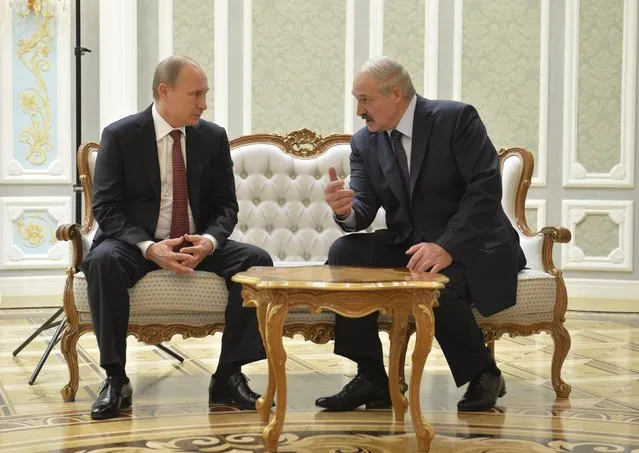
(432, 167)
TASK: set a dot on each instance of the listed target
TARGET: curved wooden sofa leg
(561, 338)
(68, 344)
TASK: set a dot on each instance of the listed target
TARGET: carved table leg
(398, 340)
(424, 322)
(275, 316)
(264, 403)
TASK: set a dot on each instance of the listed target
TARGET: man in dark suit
(432, 167)
(164, 198)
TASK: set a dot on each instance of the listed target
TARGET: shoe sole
(125, 403)
(375, 404)
(230, 402)
(502, 392)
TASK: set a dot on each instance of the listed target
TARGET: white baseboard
(589, 294)
(32, 292)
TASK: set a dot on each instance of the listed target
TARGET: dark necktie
(180, 212)
(400, 156)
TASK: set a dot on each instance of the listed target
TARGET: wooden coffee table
(352, 292)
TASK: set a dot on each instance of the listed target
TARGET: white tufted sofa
(280, 182)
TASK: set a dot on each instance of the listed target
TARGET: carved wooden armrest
(71, 232)
(552, 234)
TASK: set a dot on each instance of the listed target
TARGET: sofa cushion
(163, 291)
(536, 294)
(157, 298)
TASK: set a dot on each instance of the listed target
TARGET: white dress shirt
(405, 126)
(165, 159)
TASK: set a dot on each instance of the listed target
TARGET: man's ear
(398, 94)
(163, 90)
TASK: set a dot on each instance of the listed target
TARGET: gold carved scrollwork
(34, 52)
(302, 142)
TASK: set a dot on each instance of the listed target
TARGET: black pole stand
(77, 189)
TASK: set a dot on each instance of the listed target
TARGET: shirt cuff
(213, 241)
(347, 223)
(143, 246)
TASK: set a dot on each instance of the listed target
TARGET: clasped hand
(183, 261)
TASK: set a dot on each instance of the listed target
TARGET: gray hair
(389, 74)
(168, 71)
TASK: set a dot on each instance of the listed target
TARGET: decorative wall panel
(194, 36)
(27, 230)
(404, 37)
(600, 93)
(35, 126)
(298, 65)
(504, 72)
(602, 235)
(535, 214)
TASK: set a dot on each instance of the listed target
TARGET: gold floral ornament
(34, 52)
(34, 5)
(33, 232)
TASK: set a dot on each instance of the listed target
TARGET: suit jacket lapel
(146, 143)
(194, 167)
(422, 125)
(389, 165)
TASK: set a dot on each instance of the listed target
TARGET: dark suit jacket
(455, 198)
(126, 191)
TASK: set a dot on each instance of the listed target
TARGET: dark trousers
(456, 330)
(112, 267)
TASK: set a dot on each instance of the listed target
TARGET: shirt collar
(162, 128)
(405, 125)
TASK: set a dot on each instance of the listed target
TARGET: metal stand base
(50, 323)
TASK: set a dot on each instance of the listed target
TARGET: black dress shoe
(233, 391)
(482, 392)
(360, 391)
(114, 395)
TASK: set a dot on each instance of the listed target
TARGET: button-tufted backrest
(280, 184)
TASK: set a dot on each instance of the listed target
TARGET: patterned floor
(170, 412)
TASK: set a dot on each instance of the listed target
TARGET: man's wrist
(213, 241)
(342, 216)
(144, 247)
